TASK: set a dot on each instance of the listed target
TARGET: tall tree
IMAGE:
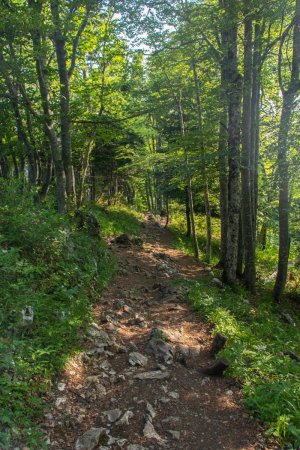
(289, 95)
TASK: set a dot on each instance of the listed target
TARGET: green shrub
(257, 338)
(45, 263)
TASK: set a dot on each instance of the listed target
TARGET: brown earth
(206, 411)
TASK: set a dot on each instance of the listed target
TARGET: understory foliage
(257, 336)
(58, 270)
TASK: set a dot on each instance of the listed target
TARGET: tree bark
(255, 124)
(188, 213)
(65, 123)
(247, 211)
(49, 129)
(234, 104)
(203, 164)
(289, 96)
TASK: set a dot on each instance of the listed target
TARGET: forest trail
(99, 393)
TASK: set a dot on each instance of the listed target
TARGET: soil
(207, 412)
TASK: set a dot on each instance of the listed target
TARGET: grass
(185, 244)
(48, 264)
(116, 220)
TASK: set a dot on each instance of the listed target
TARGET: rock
(124, 272)
(163, 268)
(124, 420)
(104, 365)
(61, 386)
(170, 419)
(94, 330)
(113, 415)
(60, 401)
(150, 411)
(150, 433)
(215, 369)
(123, 240)
(162, 351)
(217, 282)
(174, 395)
(103, 337)
(137, 359)
(90, 439)
(174, 434)
(287, 318)
(218, 344)
(157, 333)
(137, 241)
(153, 375)
(27, 316)
(135, 447)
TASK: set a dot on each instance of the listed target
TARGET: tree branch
(77, 39)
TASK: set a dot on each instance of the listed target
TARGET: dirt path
(181, 409)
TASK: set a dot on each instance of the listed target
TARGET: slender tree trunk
(16, 167)
(147, 195)
(167, 212)
(65, 123)
(223, 180)
(45, 180)
(255, 124)
(223, 146)
(262, 237)
(247, 210)
(188, 213)
(49, 129)
(85, 165)
(203, 164)
(289, 97)
(92, 183)
(234, 104)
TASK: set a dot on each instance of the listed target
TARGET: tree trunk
(234, 103)
(289, 97)
(223, 180)
(246, 211)
(49, 129)
(45, 180)
(255, 124)
(188, 213)
(223, 148)
(203, 164)
(85, 165)
(65, 124)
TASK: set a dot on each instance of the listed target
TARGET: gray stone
(163, 267)
(170, 419)
(125, 418)
(217, 282)
(174, 434)
(135, 447)
(137, 359)
(150, 411)
(174, 395)
(153, 375)
(113, 415)
(90, 439)
(150, 433)
(163, 351)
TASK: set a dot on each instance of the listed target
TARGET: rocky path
(136, 386)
